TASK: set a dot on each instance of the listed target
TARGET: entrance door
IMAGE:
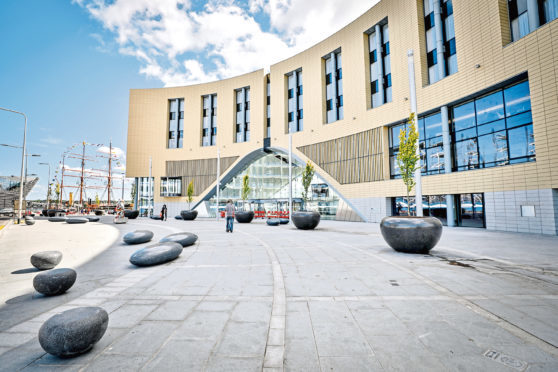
(471, 210)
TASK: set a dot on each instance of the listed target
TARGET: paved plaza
(276, 298)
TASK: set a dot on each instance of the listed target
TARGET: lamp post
(48, 184)
(25, 179)
(22, 159)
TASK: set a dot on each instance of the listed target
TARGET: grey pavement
(279, 299)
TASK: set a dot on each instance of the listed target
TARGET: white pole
(218, 183)
(413, 99)
(150, 212)
(290, 175)
(21, 185)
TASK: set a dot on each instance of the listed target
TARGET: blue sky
(69, 65)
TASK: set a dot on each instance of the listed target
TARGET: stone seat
(76, 220)
(57, 219)
(29, 221)
(283, 221)
(183, 238)
(156, 254)
(93, 219)
(178, 217)
(138, 237)
(46, 260)
(273, 222)
(54, 282)
(73, 331)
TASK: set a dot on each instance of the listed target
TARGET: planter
(98, 212)
(304, 220)
(44, 212)
(244, 216)
(189, 215)
(131, 214)
(411, 234)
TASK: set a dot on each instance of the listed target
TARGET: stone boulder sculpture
(73, 331)
(138, 237)
(76, 220)
(54, 282)
(189, 215)
(92, 219)
(178, 217)
(283, 221)
(46, 260)
(273, 222)
(156, 254)
(185, 239)
(131, 214)
(57, 219)
(29, 221)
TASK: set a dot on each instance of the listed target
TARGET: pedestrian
(229, 212)
(164, 212)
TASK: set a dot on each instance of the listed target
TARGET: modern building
(9, 190)
(487, 79)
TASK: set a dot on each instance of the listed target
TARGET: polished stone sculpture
(57, 219)
(54, 282)
(92, 219)
(76, 220)
(46, 260)
(244, 216)
(131, 214)
(305, 220)
(178, 218)
(156, 217)
(189, 215)
(411, 234)
(29, 221)
(283, 221)
(98, 212)
(138, 237)
(156, 254)
(273, 222)
(73, 331)
(183, 238)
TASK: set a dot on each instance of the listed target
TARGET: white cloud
(49, 140)
(115, 151)
(179, 44)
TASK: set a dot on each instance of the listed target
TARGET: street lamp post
(48, 184)
(22, 159)
(25, 179)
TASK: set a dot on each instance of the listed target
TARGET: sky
(69, 64)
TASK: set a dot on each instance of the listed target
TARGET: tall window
(430, 142)
(294, 98)
(334, 86)
(171, 186)
(447, 34)
(380, 66)
(268, 108)
(527, 15)
(493, 130)
(176, 123)
(242, 114)
(209, 125)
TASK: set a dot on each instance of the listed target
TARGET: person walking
(164, 212)
(229, 213)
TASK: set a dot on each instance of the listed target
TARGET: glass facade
(380, 64)
(334, 87)
(176, 123)
(519, 14)
(432, 205)
(242, 126)
(494, 130)
(431, 146)
(144, 195)
(269, 183)
(294, 102)
(209, 125)
(448, 38)
(171, 186)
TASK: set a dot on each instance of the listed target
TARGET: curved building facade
(486, 77)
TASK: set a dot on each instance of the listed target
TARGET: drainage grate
(506, 360)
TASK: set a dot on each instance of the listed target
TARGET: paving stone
(252, 312)
(111, 362)
(365, 363)
(173, 310)
(129, 315)
(215, 306)
(243, 339)
(181, 355)
(202, 325)
(145, 338)
(219, 363)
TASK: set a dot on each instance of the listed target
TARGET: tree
(133, 192)
(57, 191)
(190, 193)
(407, 159)
(245, 189)
(97, 201)
(307, 175)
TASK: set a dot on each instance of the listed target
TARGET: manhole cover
(506, 360)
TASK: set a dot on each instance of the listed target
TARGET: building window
(176, 126)
(380, 66)
(432, 205)
(294, 101)
(268, 108)
(334, 86)
(242, 114)
(430, 142)
(171, 186)
(448, 40)
(209, 124)
(527, 15)
(494, 130)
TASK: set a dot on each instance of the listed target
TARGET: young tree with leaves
(307, 175)
(190, 194)
(407, 158)
(245, 189)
